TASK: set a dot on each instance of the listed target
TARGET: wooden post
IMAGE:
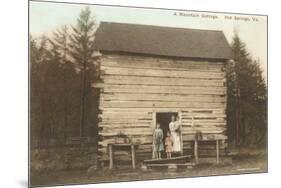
(196, 151)
(152, 128)
(133, 156)
(110, 156)
(181, 140)
(218, 150)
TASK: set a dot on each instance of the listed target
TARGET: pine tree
(246, 96)
(82, 53)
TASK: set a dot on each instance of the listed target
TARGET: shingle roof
(163, 41)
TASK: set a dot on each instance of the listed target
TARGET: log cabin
(148, 73)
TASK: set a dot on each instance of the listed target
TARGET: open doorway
(164, 119)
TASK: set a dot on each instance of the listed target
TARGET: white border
(14, 98)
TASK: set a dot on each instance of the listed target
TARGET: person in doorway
(169, 145)
(178, 126)
(174, 127)
(158, 145)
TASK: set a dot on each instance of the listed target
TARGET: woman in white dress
(174, 127)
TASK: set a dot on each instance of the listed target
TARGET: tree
(41, 67)
(82, 54)
(62, 68)
(60, 52)
(246, 96)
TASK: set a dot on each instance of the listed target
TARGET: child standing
(169, 145)
(157, 142)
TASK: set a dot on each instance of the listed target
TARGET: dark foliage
(83, 57)
(63, 105)
(247, 98)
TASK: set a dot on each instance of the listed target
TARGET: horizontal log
(144, 144)
(200, 121)
(127, 111)
(141, 61)
(148, 116)
(204, 143)
(202, 112)
(164, 90)
(129, 129)
(160, 97)
(160, 73)
(212, 113)
(135, 139)
(125, 121)
(97, 85)
(162, 81)
(128, 133)
(128, 118)
(162, 65)
(211, 119)
(127, 126)
(207, 136)
(207, 117)
(202, 128)
(104, 149)
(147, 133)
(147, 145)
(149, 104)
(124, 118)
(124, 113)
(204, 147)
(205, 126)
(151, 110)
(188, 124)
(203, 131)
(123, 125)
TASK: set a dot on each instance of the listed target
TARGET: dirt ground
(244, 162)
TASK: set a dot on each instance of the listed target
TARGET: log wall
(134, 88)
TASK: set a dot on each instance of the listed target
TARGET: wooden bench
(215, 139)
(131, 146)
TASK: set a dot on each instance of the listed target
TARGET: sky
(45, 17)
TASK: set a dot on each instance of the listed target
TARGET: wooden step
(214, 155)
(177, 160)
(171, 165)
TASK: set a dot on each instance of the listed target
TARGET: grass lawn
(246, 161)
